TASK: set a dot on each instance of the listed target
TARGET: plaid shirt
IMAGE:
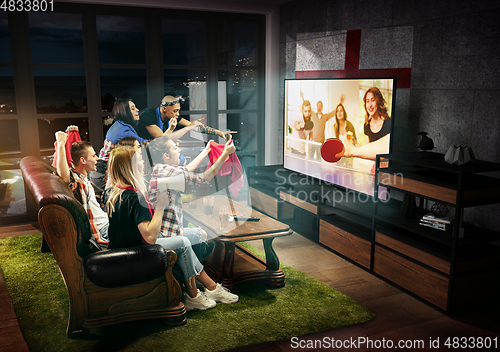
(83, 191)
(106, 149)
(172, 221)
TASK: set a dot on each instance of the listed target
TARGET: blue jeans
(186, 258)
(202, 249)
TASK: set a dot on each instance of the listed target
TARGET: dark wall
(452, 48)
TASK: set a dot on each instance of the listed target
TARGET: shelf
(391, 219)
(351, 208)
(259, 181)
(360, 228)
(435, 161)
(442, 186)
(353, 220)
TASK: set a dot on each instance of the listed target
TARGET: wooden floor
(400, 318)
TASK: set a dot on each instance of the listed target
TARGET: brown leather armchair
(104, 286)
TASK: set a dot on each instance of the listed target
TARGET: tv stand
(447, 269)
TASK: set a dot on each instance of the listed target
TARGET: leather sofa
(104, 286)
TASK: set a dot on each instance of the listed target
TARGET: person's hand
(208, 147)
(228, 135)
(194, 125)
(198, 122)
(299, 125)
(61, 137)
(347, 150)
(172, 124)
(162, 200)
(342, 98)
(229, 147)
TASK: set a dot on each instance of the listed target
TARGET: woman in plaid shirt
(163, 157)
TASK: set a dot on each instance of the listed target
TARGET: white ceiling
(239, 6)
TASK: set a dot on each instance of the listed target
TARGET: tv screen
(358, 112)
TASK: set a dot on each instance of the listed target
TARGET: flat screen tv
(358, 112)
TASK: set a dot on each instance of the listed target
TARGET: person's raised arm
(185, 122)
(150, 229)
(334, 112)
(206, 129)
(210, 130)
(156, 131)
(366, 151)
(179, 133)
(199, 158)
(62, 161)
(210, 173)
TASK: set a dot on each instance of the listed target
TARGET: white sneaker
(221, 295)
(200, 302)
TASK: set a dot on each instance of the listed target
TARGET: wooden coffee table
(230, 263)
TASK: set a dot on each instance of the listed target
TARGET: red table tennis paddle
(330, 148)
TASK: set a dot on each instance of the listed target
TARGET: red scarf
(231, 165)
(73, 136)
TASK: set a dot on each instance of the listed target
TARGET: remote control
(241, 218)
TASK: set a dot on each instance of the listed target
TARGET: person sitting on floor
(84, 160)
(134, 222)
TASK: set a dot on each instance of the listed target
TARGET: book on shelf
(430, 217)
(436, 226)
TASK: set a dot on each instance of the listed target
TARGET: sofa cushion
(125, 266)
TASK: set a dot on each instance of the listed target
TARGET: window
(56, 37)
(190, 84)
(47, 127)
(9, 137)
(246, 126)
(120, 39)
(237, 44)
(7, 96)
(12, 197)
(184, 42)
(240, 95)
(4, 38)
(121, 83)
(60, 90)
(241, 89)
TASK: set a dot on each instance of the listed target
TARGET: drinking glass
(192, 203)
(223, 217)
(208, 205)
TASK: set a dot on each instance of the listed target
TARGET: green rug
(303, 306)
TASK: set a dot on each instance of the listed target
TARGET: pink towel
(231, 165)
(73, 136)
